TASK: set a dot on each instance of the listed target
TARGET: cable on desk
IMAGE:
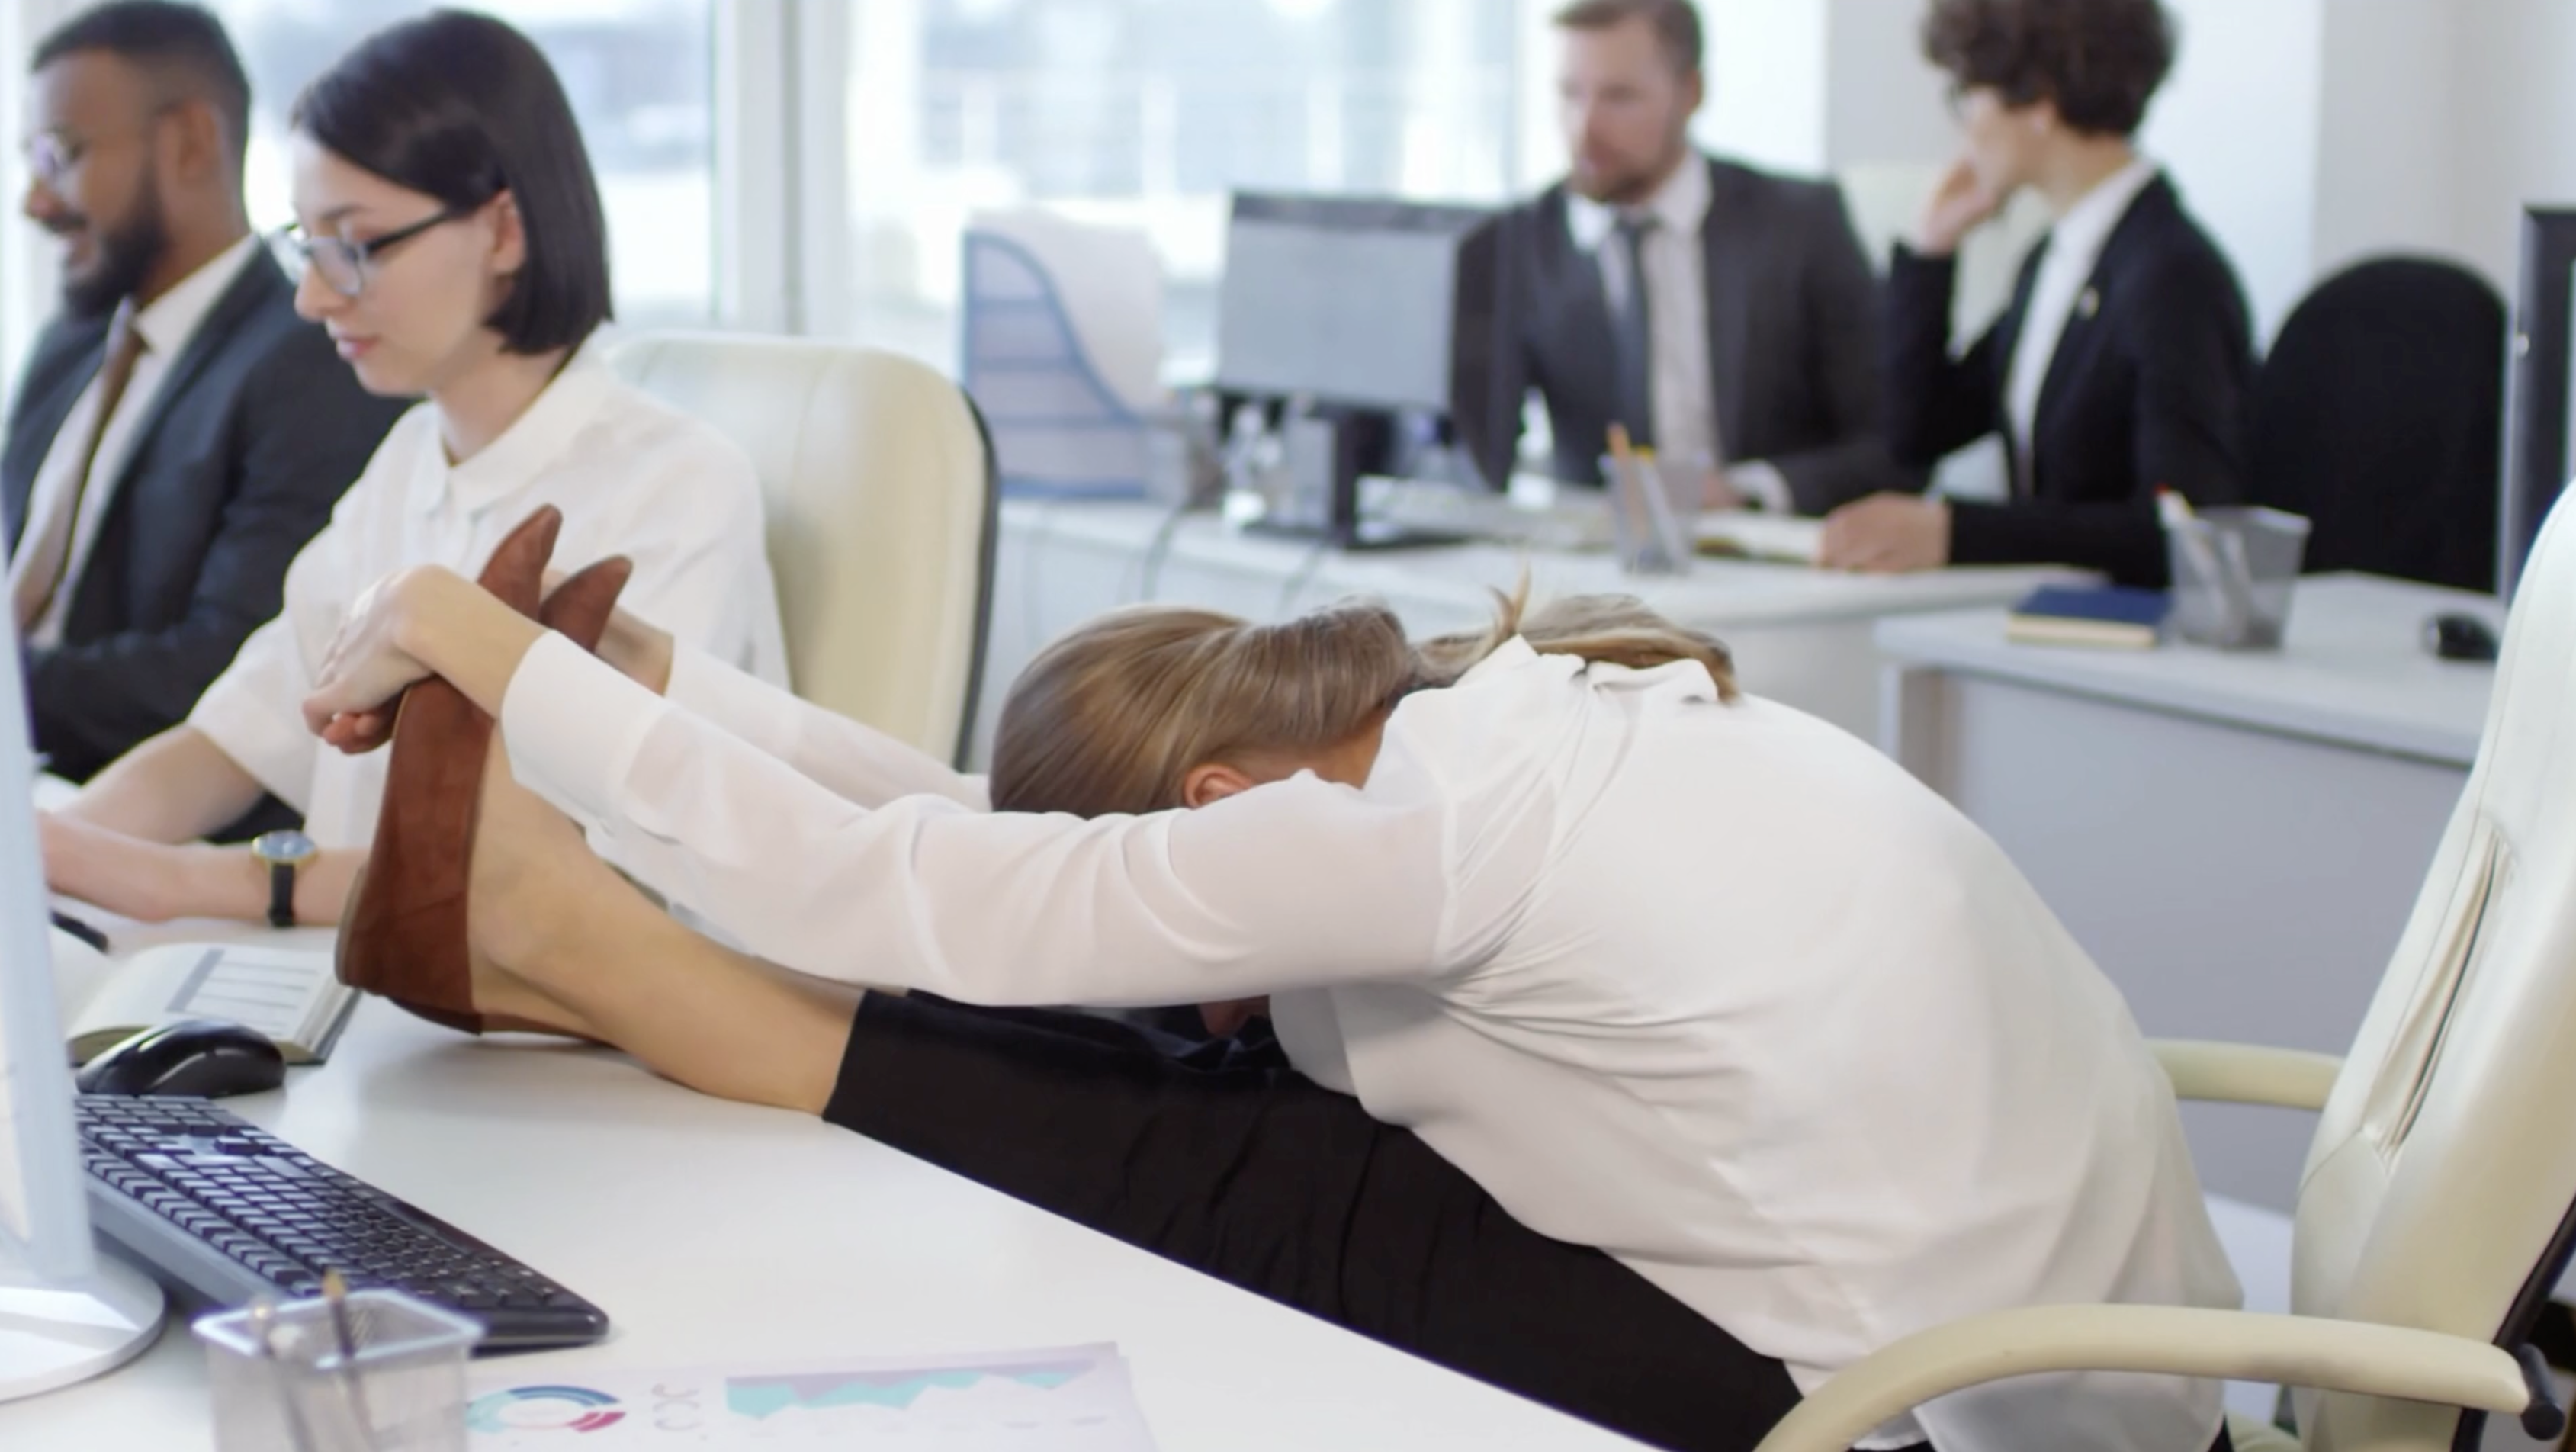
(1159, 549)
(1032, 610)
(1304, 576)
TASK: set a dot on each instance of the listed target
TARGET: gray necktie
(1632, 336)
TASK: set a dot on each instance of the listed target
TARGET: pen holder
(2233, 572)
(284, 1387)
(1654, 510)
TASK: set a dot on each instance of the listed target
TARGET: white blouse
(632, 477)
(1718, 989)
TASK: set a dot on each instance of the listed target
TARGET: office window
(1146, 113)
(637, 72)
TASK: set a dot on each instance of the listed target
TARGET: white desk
(715, 1233)
(1800, 636)
(2237, 839)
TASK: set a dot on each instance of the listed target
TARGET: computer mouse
(2457, 636)
(198, 1056)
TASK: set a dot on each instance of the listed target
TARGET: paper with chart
(1075, 1399)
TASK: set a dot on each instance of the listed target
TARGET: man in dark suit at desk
(1753, 341)
(179, 433)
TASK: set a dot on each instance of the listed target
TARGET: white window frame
(781, 164)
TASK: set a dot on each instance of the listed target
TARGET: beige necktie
(45, 545)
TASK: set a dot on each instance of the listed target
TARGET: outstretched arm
(1011, 908)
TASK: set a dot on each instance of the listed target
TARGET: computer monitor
(66, 1312)
(2538, 402)
(1367, 310)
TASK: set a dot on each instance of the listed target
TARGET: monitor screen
(1345, 301)
(2541, 394)
(44, 1212)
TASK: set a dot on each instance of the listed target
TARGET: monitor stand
(54, 1335)
(1327, 451)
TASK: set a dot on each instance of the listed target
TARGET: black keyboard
(223, 1211)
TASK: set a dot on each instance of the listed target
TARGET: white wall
(2392, 134)
(1768, 82)
(1887, 105)
(2515, 64)
(2238, 127)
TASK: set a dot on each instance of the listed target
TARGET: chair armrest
(2306, 1351)
(2246, 1074)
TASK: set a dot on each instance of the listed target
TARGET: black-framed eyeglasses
(346, 265)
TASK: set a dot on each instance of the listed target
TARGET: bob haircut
(464, 108)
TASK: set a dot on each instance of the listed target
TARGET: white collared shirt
(1717, 988)
(1683, 382)
(632, 477)
(2075, 245)
(167, 324)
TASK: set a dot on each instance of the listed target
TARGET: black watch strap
(281, 894)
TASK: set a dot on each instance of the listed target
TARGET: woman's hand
(1960, 205)
(370, 663)
(1887, 534)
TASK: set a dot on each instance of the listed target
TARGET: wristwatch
(283, 852)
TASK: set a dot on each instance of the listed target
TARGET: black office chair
(2379, 416)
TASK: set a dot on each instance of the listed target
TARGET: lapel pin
(2088, 302)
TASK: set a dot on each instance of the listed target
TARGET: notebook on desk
(2106, 617)
(288, 994)
(1782, 538)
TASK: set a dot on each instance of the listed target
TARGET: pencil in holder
(380, 1373)
(2234, 572)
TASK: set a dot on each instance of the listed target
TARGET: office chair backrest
(879, 488)
(2438, 1189)
(2379, 416)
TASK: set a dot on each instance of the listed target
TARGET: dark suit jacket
(2147, 387)
(1792, 334)
(255, 431)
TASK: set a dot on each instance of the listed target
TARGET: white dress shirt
(1717, 988)
(631, 476)
(2075, 245)
(1683, 382)
(167, 325)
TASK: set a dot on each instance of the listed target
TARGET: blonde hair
(1112, 717)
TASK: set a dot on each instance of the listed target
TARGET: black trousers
(1221, 1157)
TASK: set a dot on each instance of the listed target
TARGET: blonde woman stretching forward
(1646, 1048)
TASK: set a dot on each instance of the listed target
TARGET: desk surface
(1715, 592)
(716, 1234)
(2352, 671)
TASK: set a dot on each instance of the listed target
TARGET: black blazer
(2149, 386)
(256, 430)
(1792, 329)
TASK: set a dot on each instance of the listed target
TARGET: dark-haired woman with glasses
(449, 237)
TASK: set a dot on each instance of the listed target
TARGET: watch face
(288, 847)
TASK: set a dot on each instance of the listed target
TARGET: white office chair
(2434, 1216)
(878, 481)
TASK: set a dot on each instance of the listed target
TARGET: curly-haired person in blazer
(2124, 361)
